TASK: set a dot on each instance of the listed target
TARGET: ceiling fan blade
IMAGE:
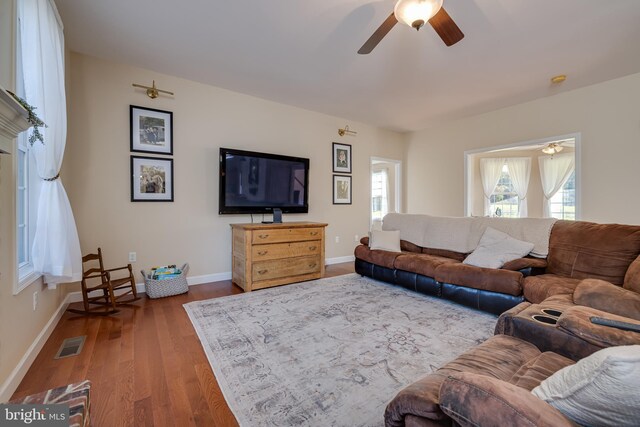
(448, 31)
(378, 35)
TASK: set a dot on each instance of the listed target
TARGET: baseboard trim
(208, 278)
(340, 259)
(17, 375)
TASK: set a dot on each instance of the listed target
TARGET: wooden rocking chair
(98, 279)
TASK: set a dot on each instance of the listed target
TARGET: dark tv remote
(616, 324)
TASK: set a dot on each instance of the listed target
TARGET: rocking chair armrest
(127, 267)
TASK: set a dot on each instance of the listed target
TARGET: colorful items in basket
(164, 273)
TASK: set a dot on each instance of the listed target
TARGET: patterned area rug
(331, 352)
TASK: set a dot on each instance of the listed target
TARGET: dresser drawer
(265, 270)
(285, 235)
(285, 250)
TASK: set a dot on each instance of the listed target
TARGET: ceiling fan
(415, 13)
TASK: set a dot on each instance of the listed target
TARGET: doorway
(386, 179)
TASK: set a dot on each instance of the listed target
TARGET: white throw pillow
(496, 248)
(385, 240)
(602, 389)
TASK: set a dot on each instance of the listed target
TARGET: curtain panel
(56, 248)
(490, 171)
(554, 173)
(520, 173)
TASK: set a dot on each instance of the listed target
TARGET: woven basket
(168, 287)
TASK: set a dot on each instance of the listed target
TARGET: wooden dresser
(266, 255)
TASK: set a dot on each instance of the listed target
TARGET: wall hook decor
(152, 92)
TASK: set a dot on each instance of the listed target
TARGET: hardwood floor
(146, 364)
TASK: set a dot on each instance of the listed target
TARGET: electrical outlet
(337, 239)
(35, 300)
(132, 257)
(356, 238)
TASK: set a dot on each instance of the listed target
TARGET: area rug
(330, 352)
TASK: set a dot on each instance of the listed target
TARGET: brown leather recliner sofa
(501, 372)
(490, 384)
(593, 270)
(576, 250)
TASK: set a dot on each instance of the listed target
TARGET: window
(563, 203)
(379, 200)
(504, 199)
(27, 193)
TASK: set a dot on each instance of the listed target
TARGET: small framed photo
(151, 130)
(341, 158)
(341, 190)
(151, 179)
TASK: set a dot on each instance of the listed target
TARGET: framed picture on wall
(151, 179)
(151, 130)
(341, 190)
(341, 158)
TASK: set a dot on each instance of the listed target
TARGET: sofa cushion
(488, 279)
(499, 357)
(522, 263)
(540, 287)
(381, 258)
(384, 240)
(458, 256)
(421, 263)
(477, 400)
(601, 389)
(495, 248)
(538, 369)
(583, 250)
(607, 297)
(404, 245)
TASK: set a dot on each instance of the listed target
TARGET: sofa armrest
(632, 276)
(576, 320)
(478, 400)
(607, 297)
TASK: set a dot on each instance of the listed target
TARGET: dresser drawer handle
(263, 236)
(312, 265)
(262, 271)
(312, 248)
(261, 253)
(314, 233)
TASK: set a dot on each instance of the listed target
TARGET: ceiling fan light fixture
(552, 148)
(415, 13)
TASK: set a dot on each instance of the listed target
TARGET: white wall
(607, 115)
(96, 171)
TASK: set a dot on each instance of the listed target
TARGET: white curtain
(520, 172)
(56, 248)
(554, 173)
(490, 171)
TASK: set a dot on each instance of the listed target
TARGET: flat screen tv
(253, 182)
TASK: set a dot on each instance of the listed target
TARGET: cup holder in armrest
(551, 312)
(545, 319)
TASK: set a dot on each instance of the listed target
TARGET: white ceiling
(303, 53)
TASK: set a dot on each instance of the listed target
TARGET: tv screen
(253, 182)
